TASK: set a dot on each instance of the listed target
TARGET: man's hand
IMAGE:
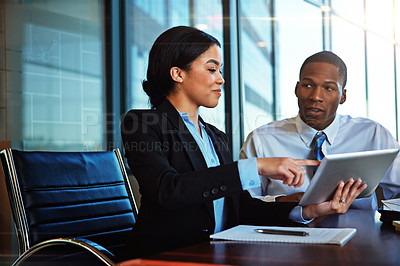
(286, 169)
(340, 203)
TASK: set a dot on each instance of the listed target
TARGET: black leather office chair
(75, 205)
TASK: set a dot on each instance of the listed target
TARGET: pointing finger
(306, 162)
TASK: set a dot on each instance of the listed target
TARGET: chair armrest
(98, 251)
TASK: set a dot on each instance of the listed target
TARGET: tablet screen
(370, 166)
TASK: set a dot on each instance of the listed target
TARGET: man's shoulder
(362, 125)
(365, 127)
(347, 120)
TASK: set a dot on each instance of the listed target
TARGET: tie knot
(320, 137)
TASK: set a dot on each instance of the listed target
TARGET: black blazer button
(223, 188)
(206, 194)
(214, 191)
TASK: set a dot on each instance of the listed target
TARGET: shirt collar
(307, 133)
(185, 118)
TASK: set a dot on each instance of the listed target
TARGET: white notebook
(335, 236)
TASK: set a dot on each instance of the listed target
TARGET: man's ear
(296, 88)
(176, 74)
(343, 97)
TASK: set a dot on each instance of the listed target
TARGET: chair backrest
(69, 194)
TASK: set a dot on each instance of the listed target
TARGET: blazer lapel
(196, 158)
(193, 151)
(220, 145)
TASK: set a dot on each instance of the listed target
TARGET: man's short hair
(330, 58)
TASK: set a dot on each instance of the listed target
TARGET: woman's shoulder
(142, 115)
(136, 120)
(142, 111)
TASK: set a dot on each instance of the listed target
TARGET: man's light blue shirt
(292, 137)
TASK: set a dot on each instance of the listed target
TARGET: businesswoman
(190, 186)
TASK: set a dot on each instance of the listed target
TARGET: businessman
(318, 130)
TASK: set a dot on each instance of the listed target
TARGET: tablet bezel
(370, 166)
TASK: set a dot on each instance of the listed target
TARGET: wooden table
(375, 243)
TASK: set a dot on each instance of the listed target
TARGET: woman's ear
(176, 74)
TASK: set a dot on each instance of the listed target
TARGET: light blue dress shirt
(247, 168)
(293, 138)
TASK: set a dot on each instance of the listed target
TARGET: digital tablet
(370, 166)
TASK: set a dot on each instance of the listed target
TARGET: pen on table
(282, 232)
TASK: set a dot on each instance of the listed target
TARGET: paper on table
(396, 225)
(336, 236)
(391, 205)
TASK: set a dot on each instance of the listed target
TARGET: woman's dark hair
(176, 47)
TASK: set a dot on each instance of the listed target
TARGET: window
(257, 56)
(380, 63)
(275, 38)
(352, 11)
(353, 54)
(52, 92)
(363, 35)
(381, 87)
(52, 64)
(397, 20)
(298, 35)
(145, 21)
(379, 17)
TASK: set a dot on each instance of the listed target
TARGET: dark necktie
(319, 138)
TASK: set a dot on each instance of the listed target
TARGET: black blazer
(178, 188)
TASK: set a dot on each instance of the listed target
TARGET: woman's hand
(286, 169)
(340, 203)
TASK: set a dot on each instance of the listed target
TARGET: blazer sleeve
(257, 212)
(162, 164)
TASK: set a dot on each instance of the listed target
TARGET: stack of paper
(391, 205)
(396, 225)
(390, 211)
(336, 236)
